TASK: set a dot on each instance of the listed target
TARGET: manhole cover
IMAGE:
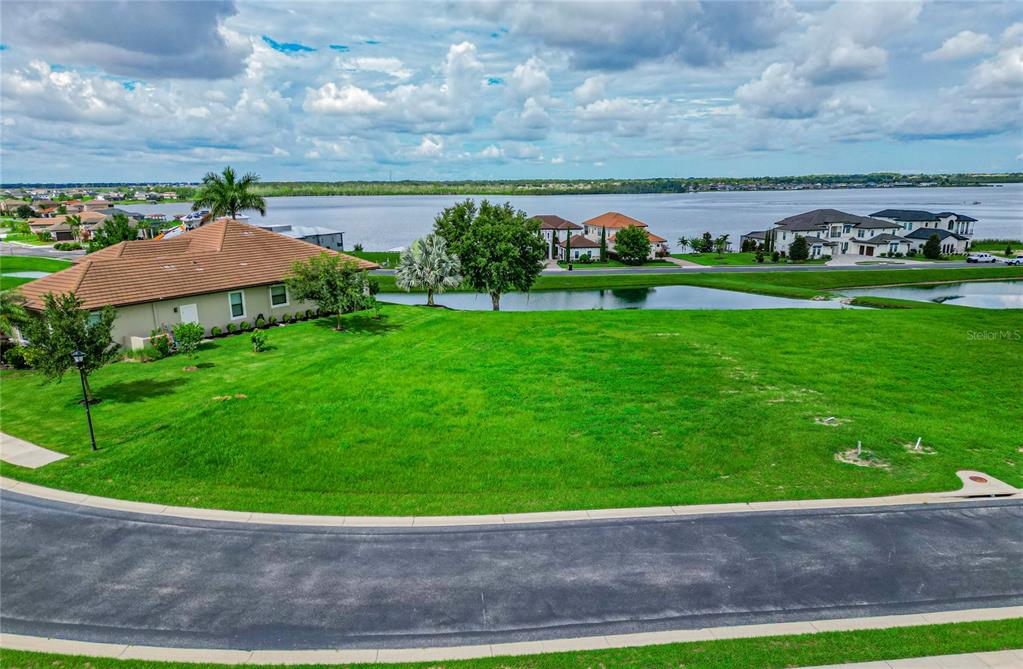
(978, 479)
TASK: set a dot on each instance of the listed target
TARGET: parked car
(1018, 260)
(981, 257)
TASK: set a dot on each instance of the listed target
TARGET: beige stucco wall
(214, 309)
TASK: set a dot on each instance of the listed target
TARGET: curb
(975, 485)
(391, 655)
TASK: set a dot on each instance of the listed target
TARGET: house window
(279, 295)
(237, 302)
(859, 233)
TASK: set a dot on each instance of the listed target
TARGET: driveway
(96, 575)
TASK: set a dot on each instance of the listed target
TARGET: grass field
(764, 653)
(733, 259)
(440, 412)
(798, 284)
(379, 257)
(26, 264)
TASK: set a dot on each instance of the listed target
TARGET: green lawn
(32, 264)
(611, 262)
(440, 412)
(728, 259)
(379, 257)
(759, 653)
(799, 284)
(27, 238)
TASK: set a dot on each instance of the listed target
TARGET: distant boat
(976, 202)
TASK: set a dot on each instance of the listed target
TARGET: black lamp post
(79, 358)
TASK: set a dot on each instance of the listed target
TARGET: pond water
(983, 294)
(381, 223)
(663, 297)
(27, 275)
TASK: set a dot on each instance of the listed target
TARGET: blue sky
(167, 91)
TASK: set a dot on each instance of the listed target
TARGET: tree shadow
(136, 391)
(360, 322)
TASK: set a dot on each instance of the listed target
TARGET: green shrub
(309, 313)
(260, 342)
(188, 336)
(272, 320)
(260, 323)
(160, 343)
(286, 318)
(215, 331)
(67, 246)
(244, 326)
(15, 357)
(775, 256)
(231, 328)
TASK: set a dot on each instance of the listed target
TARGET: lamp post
(79, 358)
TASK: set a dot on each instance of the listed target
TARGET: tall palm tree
(225, 194)
(427, 264)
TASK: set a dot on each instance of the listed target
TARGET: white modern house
(554, 230)
(890, 232)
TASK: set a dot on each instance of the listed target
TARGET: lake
(381, 223)
(663, 297)
(983, 294)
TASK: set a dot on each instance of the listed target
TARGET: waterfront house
(579, 247)
(830, 232)
(610, 223)
(555, 229)
(223, 273)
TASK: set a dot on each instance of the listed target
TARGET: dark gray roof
(113, 211)
(881, 239)
(906, 214)
(756, 234)
(960, 217)
(552, 222)
(925, 233)
(818, 218)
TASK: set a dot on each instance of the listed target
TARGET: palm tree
(428, 265)
(225, 195)
(74, 223)
(683, 242)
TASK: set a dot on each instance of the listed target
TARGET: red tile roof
(580, 242)
(552, 222)
(613, 219)
(225, 255)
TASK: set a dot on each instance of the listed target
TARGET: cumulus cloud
(389, 66)
(962, 45)
(42, 93)
(150, 40)
(845, 61)
(591, 90)
(432, 146)
(618, 35)
(626, 117)
(333, 99)
(780, 93)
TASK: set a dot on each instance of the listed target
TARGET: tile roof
(221, 256)
(580, 242)
(613, 219)
(925, 233)
(880, 239)
(654, 239)
(813, 220)
(552, 222)
(958, 217)
(906, 214)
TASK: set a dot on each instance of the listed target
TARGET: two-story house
(954, 230)
(555, 230)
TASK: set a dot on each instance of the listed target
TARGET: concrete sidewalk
(1003, 659)
(20, 452)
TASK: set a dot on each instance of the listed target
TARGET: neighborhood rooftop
(220, 256)
(613, 219)
(552, 222)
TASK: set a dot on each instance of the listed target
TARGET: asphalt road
(9, 249)
(95, 575)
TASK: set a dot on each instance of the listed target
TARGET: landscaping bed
(429, 411)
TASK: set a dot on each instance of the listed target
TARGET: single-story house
(38, 225)
(580, 246)
(96, 205)
(951, 242)
(219, 274)
(9, 206)
(555, 229)
(314, 234)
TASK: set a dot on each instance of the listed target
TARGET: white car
(981, 257)
(1018, 260)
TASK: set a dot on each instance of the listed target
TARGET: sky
(166, 91)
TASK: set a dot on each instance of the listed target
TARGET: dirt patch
(830, 421)
(862, 457)
(224, 398)
(189, 368)
(918, 448)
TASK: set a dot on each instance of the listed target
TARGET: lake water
(664, 297)
(984, 294)
(382, 223)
